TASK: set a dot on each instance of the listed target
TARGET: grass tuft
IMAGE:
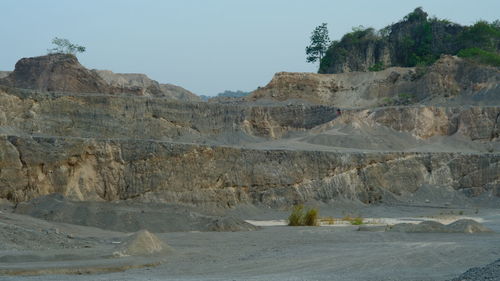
(302, 217)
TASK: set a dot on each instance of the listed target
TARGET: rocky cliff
(101, 147)
(104, 116)
(449, 80)
(88, 169)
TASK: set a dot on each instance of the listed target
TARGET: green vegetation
(481, 56)
(64, 46)
(416, 40)
(354, 220)
(302, 217)
(379, 66)
(319, 43)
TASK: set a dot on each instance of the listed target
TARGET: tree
(63, 46)
(319, 44)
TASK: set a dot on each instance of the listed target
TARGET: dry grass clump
(303, 217)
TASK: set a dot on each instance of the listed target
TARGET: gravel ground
(305, 253)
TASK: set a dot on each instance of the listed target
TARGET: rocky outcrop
(449, 80)
(63, 73)
(89, 169)
(416, 39)
(146, 86)
(55, 72)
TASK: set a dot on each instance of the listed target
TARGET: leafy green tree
(320, 41)
(64, 46)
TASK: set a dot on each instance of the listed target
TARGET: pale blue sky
(206, 46)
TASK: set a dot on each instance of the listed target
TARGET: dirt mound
(230, 224)
(142, 243)
(19, 237)
(460, 226)
(127, 216)
(55, 72)
(468, 226)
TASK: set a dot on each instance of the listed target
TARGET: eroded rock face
(450, 79)
(101, 147)
(63, 73)
(85, 169)
(145, 86)
(476, 123)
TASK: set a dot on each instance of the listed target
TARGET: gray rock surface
(128, 216)
(490, 272)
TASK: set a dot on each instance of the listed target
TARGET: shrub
(296, 218)
(354, 221)
(357, 221)
(301, 217)
(481, 56)
(377, 67)
(311, 217)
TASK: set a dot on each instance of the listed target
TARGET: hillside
(416, 40)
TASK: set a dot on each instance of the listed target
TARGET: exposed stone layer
(103, 116)
(476, 123)
(86, 169)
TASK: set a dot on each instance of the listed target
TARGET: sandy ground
(271, 253)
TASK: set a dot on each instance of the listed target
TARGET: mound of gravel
(490, 272)
(423, 227)
(468, 226)
(142, 243)
(460, 226)
(128, 216)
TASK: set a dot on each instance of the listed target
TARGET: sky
(205, 46)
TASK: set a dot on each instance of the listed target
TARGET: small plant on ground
(354, 220)
(357, 221)
(302, 217)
